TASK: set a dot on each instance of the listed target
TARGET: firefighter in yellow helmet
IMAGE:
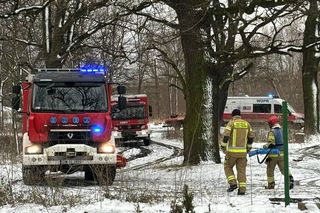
(237, 141)
(275, 140)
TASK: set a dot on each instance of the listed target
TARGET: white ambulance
(259, 109)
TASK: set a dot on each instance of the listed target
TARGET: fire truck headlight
(34, 149)
(144, 132)
(116, 134)
(106, 148)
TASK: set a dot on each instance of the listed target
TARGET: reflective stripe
(234, 137)
(237, 149)
(242, 184)
(223, 144)
(240, 125)
(270, 179)
(275, 155)
(231, 177)
(228, 128)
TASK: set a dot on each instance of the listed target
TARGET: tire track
(309, 152)
(176, 152)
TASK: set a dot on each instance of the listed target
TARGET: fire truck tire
(146, 141)
(89, 174)
(33, 175)
(105, 175)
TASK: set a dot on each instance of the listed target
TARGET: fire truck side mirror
(150, 110)
(15, 102)
(121, 89)
(16, 89)
(122, 102)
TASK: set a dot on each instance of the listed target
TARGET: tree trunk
(215, 118)
(309, 73)
(219, 98)
(196, 75)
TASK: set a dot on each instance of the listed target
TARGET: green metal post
(286, 154)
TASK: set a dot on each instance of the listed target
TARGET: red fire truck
(66, 124)
(131, 123)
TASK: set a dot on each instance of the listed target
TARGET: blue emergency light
(64, 120)
(96, 129)
(86, 120)
(93, 69)
(53, 120)
(75, 120)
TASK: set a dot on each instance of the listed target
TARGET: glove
(224, 150)
(271, 146)
(268, 160)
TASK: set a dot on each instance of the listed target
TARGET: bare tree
(310, 69)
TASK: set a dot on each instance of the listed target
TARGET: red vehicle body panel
(37, 124)
(137, 99)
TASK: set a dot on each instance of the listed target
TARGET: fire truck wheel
(146, 141)
(89, 174)
(33, 175)
(111, 174)
(105, 175)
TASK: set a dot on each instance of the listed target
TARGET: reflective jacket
(275, 140)
(238, 131)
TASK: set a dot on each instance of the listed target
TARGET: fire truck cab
(260, 108)
(131, 124)
(66, 124)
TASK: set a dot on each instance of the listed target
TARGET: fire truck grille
(133, 127)
(84, 137)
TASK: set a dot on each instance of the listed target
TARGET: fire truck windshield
(135, 111)
(69, 97)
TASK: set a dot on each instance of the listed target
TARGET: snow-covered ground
(143, 187)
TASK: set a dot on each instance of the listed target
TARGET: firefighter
(237, 141)
(275, 140)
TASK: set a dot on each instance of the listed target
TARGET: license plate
(70, 162)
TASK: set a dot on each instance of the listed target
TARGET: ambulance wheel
(146, 141)
(33, 175)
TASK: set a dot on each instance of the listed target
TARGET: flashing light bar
(93, 69)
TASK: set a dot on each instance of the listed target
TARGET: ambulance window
(277, 108)
(262, 108)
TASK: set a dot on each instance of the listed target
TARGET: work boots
(232, 188)
(271, 185)
(241, 192)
